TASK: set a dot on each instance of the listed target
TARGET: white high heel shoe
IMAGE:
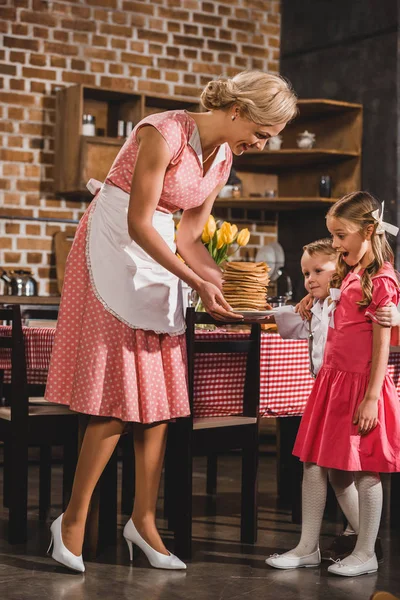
(60, 553)
(156, 559)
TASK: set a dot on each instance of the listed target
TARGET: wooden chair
(24, 423)
(190, 436)
(62, 246)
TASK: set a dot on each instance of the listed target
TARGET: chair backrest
(62, 246)
(251, 346)
(19, 387)
(39, 317)
(15, 342)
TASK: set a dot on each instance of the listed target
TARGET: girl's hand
(304, 306)
(366, 416)
(215, 303)
(388, 316)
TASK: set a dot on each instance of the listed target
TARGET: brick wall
(162, 46)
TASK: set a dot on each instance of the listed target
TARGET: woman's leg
(101, 437)
(149, 442)
(370, 494)
(313, 505)
(347, 496)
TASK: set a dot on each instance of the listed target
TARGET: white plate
(255, 314)
(274, 256)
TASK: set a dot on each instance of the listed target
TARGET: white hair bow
(382, 225)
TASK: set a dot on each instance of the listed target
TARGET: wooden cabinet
(294, 174)
(79, 157)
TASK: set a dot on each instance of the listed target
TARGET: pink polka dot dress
(123, 354)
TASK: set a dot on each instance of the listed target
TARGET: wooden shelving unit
(79, 157)
(292, 172)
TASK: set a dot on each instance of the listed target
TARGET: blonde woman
(119, 352)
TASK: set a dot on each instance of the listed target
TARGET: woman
(119, 352)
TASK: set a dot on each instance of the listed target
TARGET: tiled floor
(221, 568)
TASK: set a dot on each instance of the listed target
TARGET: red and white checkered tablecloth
(219, 378)
(38, 344)
(285, 378)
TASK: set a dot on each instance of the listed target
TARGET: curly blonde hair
(357, 208)
(264, 98)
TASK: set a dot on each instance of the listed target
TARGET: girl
(352, 419)
(119, 353)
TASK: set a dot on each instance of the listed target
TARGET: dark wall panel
(348, 51)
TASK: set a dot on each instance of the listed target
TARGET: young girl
(352, 419)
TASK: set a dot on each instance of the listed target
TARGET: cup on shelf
(128, 128)
(325, 186)
(121, 129)
(88, 125)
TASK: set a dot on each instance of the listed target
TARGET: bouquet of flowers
(220, 241)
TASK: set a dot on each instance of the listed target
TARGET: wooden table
(31, 300)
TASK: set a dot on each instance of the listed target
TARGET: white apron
(128, 282)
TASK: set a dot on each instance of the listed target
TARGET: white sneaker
(341, 568)
(283, 561)
(60, 553)
(156, 559)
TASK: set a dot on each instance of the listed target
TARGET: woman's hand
(215, 303)
(366, 415)
(304, 306)
(388, 316)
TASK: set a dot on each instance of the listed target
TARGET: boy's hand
(304, 306)
(366, 416)
(388, 316)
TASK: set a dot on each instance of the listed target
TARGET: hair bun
(218, 94)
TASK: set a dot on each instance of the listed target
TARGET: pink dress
(101, 364)
(327, 436)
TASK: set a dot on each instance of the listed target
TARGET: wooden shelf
(292, 157)
(275, 204)
(101, 139)
(320, 106)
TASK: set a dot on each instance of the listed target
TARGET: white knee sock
(347, 496)
(370, 497)
(313, 500)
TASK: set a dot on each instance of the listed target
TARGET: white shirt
(292, 327)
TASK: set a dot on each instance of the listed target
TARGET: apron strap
(94, 185)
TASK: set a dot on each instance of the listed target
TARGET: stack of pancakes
(245, 285)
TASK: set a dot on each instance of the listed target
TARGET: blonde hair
(264, 98)
(323, 246)
(357, 208)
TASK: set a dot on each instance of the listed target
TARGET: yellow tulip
(228, 232)
(243, 237)
(205, 237)
(220, 239)
(209, 230)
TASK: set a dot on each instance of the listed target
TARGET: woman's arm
(147, 183)
(366, 415)
(190, 246)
